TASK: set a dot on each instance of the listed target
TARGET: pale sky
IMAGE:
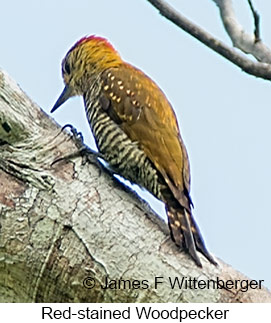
(224, 114)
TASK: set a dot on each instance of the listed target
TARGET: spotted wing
(136, 103)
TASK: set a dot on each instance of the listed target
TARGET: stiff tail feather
(185, 233)
(199, 241)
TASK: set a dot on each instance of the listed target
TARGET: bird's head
(83, 63)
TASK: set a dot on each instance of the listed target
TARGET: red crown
(93, 38)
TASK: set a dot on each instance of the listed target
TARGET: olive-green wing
(137, 104)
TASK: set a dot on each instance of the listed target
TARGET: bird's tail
(185, 233)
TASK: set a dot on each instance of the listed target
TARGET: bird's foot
(83, 151)
(75, 135)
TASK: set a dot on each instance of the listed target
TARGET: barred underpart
(122, 154)
(136, 131)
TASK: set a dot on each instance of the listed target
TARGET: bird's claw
(76, 135)
(86, 153)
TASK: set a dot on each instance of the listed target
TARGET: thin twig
(262, 70)
(256, 17)
(240, 38)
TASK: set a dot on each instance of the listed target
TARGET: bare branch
(249, 44)
(261, 70)
(256, 17)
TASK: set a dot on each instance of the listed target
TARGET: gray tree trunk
(67, 226)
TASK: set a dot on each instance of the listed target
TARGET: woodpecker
(136, 131)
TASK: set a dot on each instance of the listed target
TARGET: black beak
(64, 96)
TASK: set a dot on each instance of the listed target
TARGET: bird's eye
(66, 67)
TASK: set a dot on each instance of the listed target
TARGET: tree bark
(66, 226)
